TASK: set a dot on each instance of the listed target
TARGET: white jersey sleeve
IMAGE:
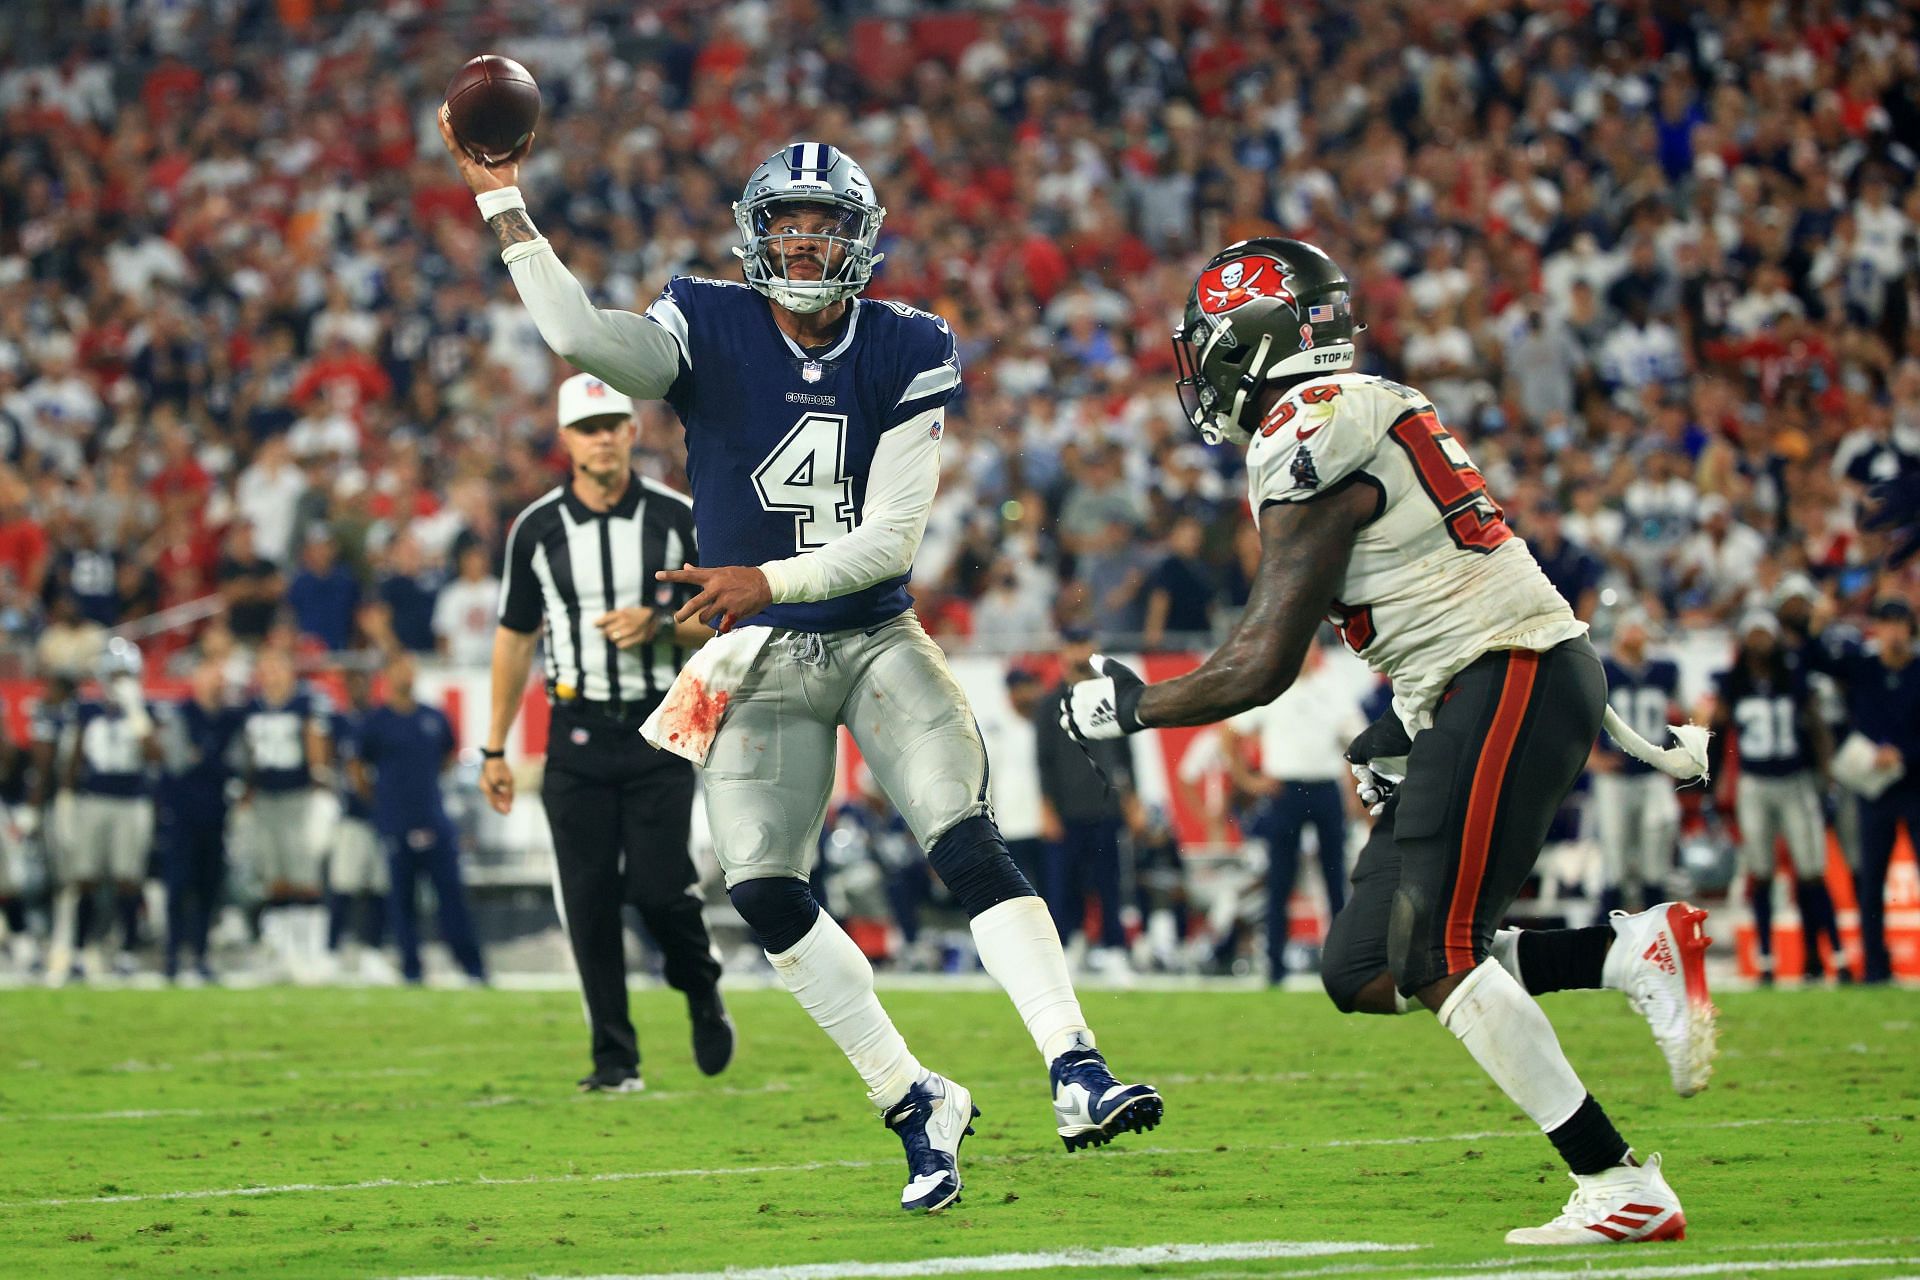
(1436, 577)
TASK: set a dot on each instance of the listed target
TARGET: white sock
(1403, 1005)
(1020, 949)
(1506, 949)
(1510, 1037)
(834, 984)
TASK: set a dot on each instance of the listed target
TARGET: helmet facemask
(845, 248)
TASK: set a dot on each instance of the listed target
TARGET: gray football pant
(1788, 807)
(769, 776)
(1637, 818)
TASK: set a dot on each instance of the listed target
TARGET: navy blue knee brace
(779, 910)
(973, 861)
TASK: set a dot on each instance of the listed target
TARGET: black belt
(623, 712)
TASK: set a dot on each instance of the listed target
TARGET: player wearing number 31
(1371, 514)
(813, 421)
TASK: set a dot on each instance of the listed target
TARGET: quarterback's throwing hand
(726, 594)
(1105, 707)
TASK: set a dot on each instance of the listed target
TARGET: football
(493, 105)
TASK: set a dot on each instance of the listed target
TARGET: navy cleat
(932, 1120)
(1092, 1107)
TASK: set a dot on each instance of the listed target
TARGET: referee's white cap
(585, 396)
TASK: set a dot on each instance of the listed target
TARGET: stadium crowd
(1658, 264)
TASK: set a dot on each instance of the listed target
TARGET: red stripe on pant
(1483, 803)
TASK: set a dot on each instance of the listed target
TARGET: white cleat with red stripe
(1659, 959)
(1628, 1204)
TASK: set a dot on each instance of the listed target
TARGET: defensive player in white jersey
(1372, 515)
(813, 420)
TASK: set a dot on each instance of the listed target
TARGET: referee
(581, 559)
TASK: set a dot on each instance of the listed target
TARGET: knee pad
(779, 909)
(972, 860)
(1409, 925)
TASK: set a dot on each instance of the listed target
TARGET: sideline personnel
(582, 560)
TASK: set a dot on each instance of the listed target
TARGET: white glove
(131, 699)
(26, 820)
(1374, 787)
(1104, 707)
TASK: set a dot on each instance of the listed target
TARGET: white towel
(690, 715)
(1853, 767)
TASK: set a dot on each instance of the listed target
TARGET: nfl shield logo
(812, 371)
(578, 737)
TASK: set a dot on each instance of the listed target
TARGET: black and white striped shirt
(567, 564)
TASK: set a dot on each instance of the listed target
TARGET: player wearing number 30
(813, 420)
(1372, 514)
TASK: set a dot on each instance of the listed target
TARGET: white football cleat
(1627, 1204)
(932, 1120)
(1659, 959)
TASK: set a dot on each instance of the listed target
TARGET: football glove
(1378, 761)
(1104, 707)
(1895, 511)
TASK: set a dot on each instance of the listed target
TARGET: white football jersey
(1436, 578)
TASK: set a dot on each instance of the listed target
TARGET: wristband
(493, 203)
(488, 753)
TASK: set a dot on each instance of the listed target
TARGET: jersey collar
(623, 509)
(838, 349)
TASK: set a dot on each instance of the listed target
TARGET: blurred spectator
(267, 494)
(1573, 571)
(250, 584)
(1180, 591)
(1087, 797)
(407, 589)
(324, 593)
(465, 611)
(70, 642)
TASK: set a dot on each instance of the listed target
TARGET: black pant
(1281, 821)
(194, 855)
(1879, 825)
(1483, 783)
(1086, 859)
(619, 811)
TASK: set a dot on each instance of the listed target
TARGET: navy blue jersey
(406, 751)
(1882, 702)
(1769, 728)
(113, 759)
(1644, 697)
(198, 751)
(344, 727)
(276, 741)
(780, 439)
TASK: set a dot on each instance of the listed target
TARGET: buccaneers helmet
(1262, 310)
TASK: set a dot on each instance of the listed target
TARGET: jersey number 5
(806, 475)
(1474, 520)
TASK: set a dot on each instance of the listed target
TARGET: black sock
(83, 920)
(1817, 921)
(1562, 959)
(1588, 1142)
(339, 914)
(16, 913)
(1760, 898)
(373, 920)
(129, 919)
(1612, 899)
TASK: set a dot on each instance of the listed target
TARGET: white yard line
(997, 1263)
(1669, 1272)
(1587, 1257)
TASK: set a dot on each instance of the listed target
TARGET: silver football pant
(1788, 807)
(769, 776)
(112, 836)
(1636, 818)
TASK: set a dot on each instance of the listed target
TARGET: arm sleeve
(519, 592)
(901, 482)
(640, 355)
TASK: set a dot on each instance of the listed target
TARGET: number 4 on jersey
(806, 475)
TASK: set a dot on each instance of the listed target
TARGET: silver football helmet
(816, 174)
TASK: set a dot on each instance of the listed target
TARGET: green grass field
(401, 1133)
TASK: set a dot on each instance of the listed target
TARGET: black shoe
(612, 1080)
(712, 1032)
